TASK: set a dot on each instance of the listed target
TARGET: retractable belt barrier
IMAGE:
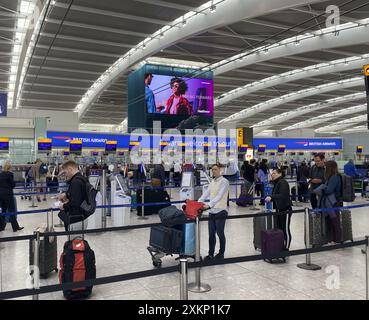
(156, 272)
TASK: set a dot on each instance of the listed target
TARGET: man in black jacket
(70, 206)
(316, 178)
(282, 203)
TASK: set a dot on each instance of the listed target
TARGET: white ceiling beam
(113, 14)
(347, 36)
(281, 118)
(308, 92)
(227, 13)
(293, 76)
(343, 124)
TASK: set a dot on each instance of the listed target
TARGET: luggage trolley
(179, 239)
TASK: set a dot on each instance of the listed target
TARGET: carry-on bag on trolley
(193, 209)
(77, 263)
(48, 256)
(171, 216)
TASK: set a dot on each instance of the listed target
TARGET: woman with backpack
(330, 196)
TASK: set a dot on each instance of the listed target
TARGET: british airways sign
(301, 144)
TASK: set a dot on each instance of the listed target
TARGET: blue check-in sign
(3, 104)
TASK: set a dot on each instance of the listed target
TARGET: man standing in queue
(217, 193)
(71, 212)
(316, 178)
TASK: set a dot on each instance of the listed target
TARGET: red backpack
(193, 209)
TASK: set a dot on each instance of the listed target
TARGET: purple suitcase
(272, 242)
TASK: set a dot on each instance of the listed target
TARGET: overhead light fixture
(297, 43)
(184, 22)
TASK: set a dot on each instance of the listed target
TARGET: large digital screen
(179, 95)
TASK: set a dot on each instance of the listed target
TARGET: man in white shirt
(217, 193)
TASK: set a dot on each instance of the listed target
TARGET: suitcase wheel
(157, 263)
(56, 269)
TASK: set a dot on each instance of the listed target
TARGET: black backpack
(89, 205)
(43, 169)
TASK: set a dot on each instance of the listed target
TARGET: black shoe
(219, 256)
(19, 229)
(208, 258)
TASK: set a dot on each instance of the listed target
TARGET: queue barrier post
(197, 286)
(308, 265)
(36, 264)
(142, 216)
(183, 279)
(254, 207)
(33, 190)
(297, 194)
(367, 268)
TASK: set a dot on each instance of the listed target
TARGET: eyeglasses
(175, 86)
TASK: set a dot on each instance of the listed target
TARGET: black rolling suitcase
(262, 223)
(48, 259)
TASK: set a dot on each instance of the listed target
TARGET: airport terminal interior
(236, 121)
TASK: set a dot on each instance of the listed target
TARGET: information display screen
(261, 148)
(75, 148)
(122, 183)
(4, 145)
(179, 95)
(187, 179)
(110, 148)
(44, 146)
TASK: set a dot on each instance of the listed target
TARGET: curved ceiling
(80, 40)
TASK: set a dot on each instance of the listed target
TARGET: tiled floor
(125, 251)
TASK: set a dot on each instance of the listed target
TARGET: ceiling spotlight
(297, 43)
(184, 22)
(144, 45)
(346, 63)
(266, 51)
(161, 35)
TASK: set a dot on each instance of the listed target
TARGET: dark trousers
(303, 191)
(283, 222)
(313, 201)
(217, 227)
(5, 204)
(335, 225)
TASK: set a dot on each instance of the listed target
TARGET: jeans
(217, 227)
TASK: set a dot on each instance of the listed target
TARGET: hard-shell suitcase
(263, 222)
(188, 247)
(260, 224)
(318, 231)
(272, 242)
(346, 225)
(48, 259)
(167, 240)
